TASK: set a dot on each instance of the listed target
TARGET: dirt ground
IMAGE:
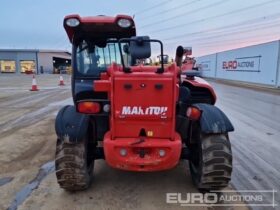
(27, 141)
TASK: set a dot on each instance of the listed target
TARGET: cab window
(91, 59)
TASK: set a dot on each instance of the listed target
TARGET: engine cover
(143, 102)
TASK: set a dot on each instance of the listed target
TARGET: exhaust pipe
(179, 55)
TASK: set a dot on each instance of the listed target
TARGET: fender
(213, 120)
(70, 125)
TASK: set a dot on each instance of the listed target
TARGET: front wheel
(211, 162)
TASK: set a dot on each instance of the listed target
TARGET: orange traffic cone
(34, 84)
(61, 81)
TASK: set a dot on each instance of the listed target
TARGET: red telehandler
(136, 117)
(187, 62)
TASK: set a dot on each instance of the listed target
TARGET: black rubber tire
(211, 162)
(73, 167)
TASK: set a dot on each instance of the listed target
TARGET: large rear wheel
(73, 164)
(211, 162)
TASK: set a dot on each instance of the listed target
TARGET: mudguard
(70, 125)
(213, 120)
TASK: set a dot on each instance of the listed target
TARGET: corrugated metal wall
(278, 68)
(207, 64)
(45, 60)
(253, 64)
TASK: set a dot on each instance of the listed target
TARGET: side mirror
(140, 47)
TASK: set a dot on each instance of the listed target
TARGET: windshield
(92, 60)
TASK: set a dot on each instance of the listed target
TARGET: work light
(124, 23)
(72, 22)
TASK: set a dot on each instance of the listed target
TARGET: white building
(37, 61)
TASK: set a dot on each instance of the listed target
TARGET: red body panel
(199, 82)
(150, 162)
(142, 100)
(143, 107)
(187, 66)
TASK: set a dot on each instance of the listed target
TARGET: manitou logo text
(138, 110)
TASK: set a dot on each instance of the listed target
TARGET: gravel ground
(27, 141)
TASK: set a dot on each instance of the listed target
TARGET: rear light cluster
(193, 113)
(90, 107)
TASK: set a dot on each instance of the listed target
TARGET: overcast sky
(207, 25)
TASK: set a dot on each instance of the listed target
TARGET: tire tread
(71, 167)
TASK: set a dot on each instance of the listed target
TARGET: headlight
(72, 22)
(124, 23)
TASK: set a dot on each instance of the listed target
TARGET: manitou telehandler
(136, 117)
(188, 63)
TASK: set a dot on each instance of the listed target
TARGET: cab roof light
(72, 22)
(124, 23)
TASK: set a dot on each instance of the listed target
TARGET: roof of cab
(99, 27)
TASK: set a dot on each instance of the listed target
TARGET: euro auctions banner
(256, 64)
(250, 64)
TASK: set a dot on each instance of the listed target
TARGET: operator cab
(94, 48)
